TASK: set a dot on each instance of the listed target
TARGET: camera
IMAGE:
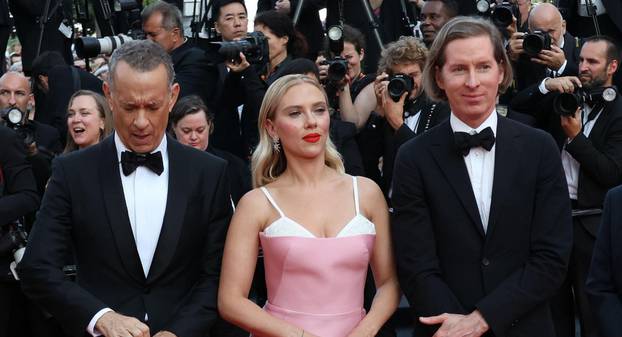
(17, 120)
(566, 104)
(337, 68)
(254, 47)
(13, 241)
(398, 85)
(500, 13)
(91, 46)
(535, 42)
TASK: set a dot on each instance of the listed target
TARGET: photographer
(434, 15)
(554, 53)
(42, 141)
(18, 197)
(162, 24)
(591, 140)
(239, 90)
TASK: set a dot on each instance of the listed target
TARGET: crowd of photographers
(565, 83)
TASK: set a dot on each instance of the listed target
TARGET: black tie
(465, 142)
(131, 160)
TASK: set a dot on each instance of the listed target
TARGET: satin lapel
(451, 163)
(507, 158)
(176, 201)
(116, 210)
(602, 121)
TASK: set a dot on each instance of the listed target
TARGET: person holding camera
(589, 133)
(18, 197)
(546, 51)
(41, 140)
(162, 24)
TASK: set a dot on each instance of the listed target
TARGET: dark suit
(88, 211)
(192, 72)
(528, 72)
(445, 260)
(609, 23)
(604, 283)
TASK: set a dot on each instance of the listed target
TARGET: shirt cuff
(561, 69)
(542, 87)
(91, 327)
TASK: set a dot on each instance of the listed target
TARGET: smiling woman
(89, 120)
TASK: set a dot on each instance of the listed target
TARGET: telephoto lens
(87, 47)
(398, 85)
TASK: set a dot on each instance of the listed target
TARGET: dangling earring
(276, 145)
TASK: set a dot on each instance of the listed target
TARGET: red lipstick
(312, 138)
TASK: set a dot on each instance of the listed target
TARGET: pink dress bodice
(317, 283)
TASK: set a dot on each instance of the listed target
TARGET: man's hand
(572, 124)
(165, 334)
(283, 6)
(552, 59)
(566, 84)
(112, 324)
(515, 46)
(237, 66)
(394, 111)
(322, 68)
(453, 325)
(380, 87)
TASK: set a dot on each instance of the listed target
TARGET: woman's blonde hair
(268, 164)
(103, 111)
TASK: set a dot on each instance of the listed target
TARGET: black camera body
(337, 68)
(535, 42)
(500, 13)
(398, 85)
(254, 47)
(566, 104)
(17, 120)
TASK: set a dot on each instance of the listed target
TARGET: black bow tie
(131, 160)
(465, 142)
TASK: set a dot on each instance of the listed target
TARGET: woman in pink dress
(319, 229)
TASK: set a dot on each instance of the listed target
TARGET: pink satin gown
(317, 283)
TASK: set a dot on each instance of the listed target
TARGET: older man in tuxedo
(145, 215)
(481, 221)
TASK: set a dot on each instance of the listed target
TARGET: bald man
(561, 60)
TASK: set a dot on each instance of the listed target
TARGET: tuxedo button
(485, 262)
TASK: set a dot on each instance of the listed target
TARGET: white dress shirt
(571, 166)
(480, 165)
(145, 197)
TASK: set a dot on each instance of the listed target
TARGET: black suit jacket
(600, 154)
(445, 261)
(604, 282)
(528, 73)
(193, 73)
(88, 211)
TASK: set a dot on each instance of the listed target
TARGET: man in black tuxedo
(604, 282)
(481, 221)
(147, 223)
(561, 59)
(162, 23)
(591, 144)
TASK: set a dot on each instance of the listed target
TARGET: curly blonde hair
(267, 164)
(405, 50)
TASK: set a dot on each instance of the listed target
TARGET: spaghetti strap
(272, 202)
(356, 195)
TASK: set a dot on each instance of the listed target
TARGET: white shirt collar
(459, 126)
(121, 147)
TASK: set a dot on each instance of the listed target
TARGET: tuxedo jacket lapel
(451, 163)
(507, 158)
(116, 210)
(176, 201)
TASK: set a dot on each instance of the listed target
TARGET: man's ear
(107, 94)
(612, 67)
